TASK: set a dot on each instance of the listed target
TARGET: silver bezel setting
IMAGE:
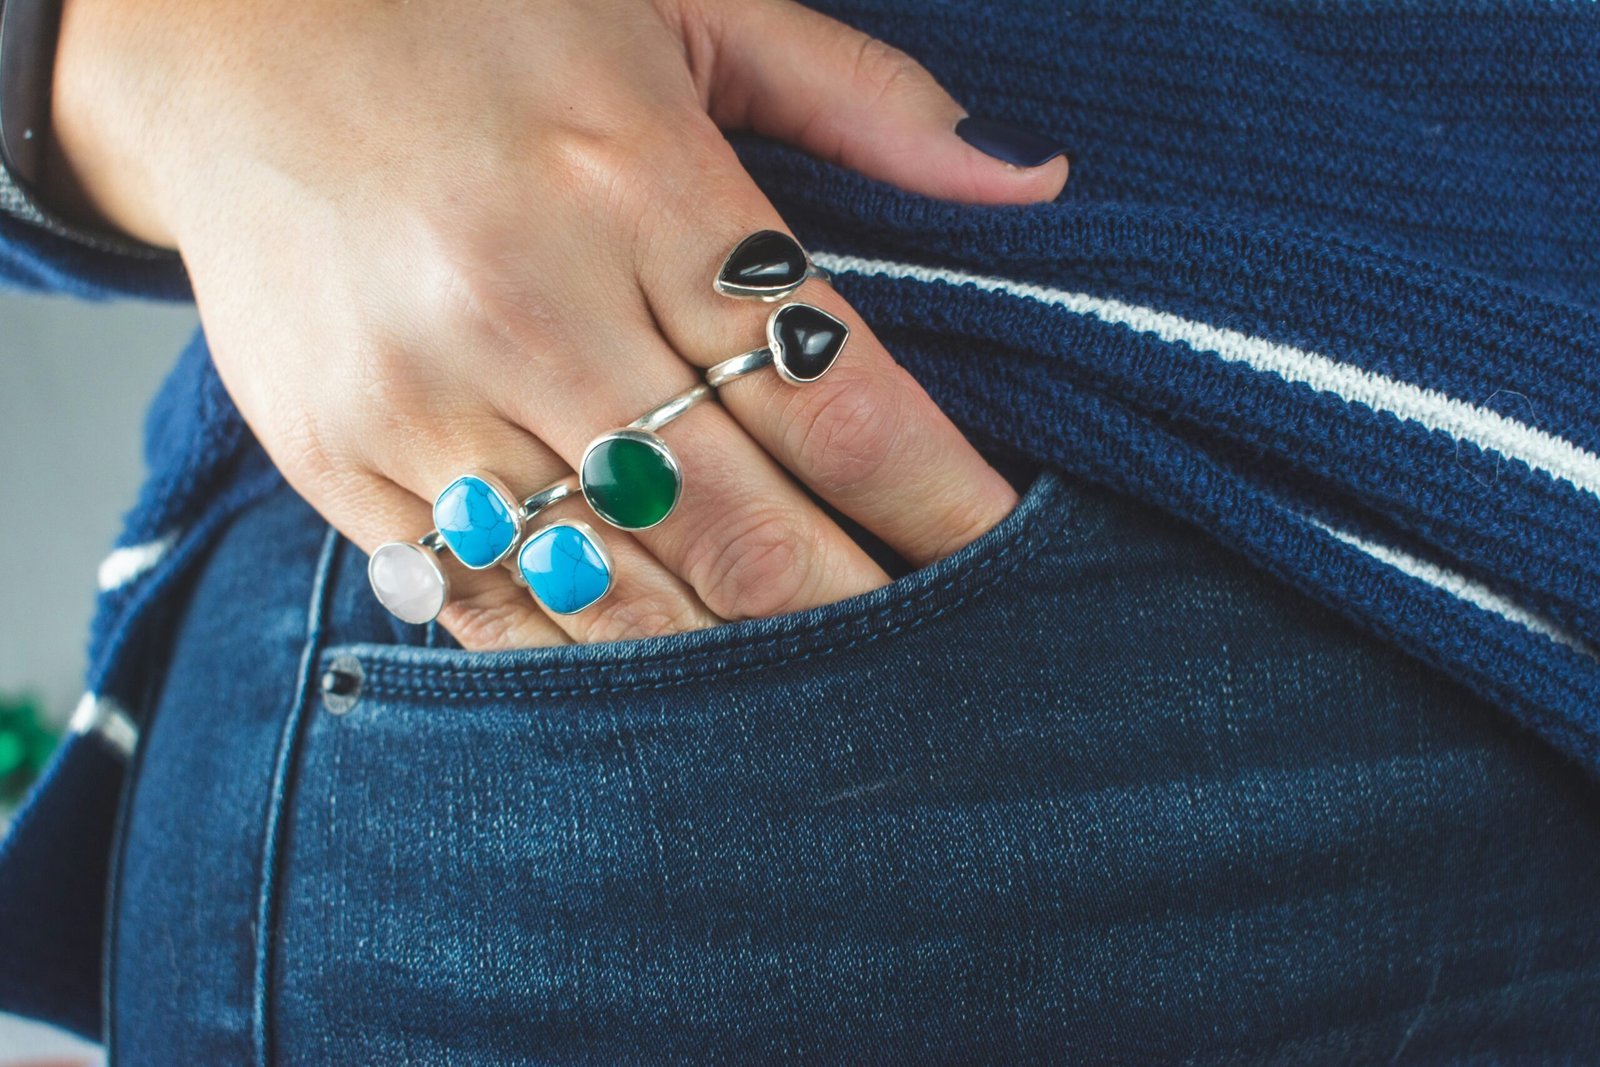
(780, 362)
(508, 499)
(424, 551)
(656, 442)
(594, 539)
(766, 294)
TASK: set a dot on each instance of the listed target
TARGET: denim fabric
(1091, 790)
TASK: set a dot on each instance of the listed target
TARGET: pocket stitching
(409, 679)
(405, 684)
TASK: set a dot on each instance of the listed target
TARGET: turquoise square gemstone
(476, 521)
(565, 567)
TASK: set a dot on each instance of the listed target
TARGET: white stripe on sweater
(126, 565)
(1458, 586)
(1487, 429)
(107, 720)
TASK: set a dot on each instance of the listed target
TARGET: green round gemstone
(630, 479)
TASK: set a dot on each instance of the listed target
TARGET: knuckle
(641, 615)
(485, 625)
(302, 444)
(303, 447)
(597, 167)
(754, 564)
(881, 69)
(844, 434)
(490, 293)
(384, 376)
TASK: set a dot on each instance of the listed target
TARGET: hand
(450, 234)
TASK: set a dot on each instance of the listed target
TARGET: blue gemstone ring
(480, 522)
(566, 567)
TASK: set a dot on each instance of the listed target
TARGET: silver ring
(531, 507)
(665, 412)
(408, 580)
(738, 367)
(407, 577)
(565, 566)
(552, 494)
(803, 343)
(630, 476)
(767, 265)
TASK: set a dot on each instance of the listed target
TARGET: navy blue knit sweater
(1325, 281)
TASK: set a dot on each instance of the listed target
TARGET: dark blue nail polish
(1020, 148)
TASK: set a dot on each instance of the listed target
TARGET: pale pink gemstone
(407, 579)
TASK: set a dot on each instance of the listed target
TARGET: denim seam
(120, 829)
(278, 796)
(408, 679)
(1027, 533)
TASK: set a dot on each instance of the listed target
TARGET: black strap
(28, 33)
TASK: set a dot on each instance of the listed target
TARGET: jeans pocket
(1055, 798)
(503, 857)
(451, 675)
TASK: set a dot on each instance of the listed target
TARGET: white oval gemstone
(407, 579)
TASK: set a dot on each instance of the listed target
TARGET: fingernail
(1020, 148)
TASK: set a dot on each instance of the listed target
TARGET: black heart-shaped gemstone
(805, 341)
(763, 264)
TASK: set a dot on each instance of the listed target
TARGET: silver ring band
(552, 494)
(737, 367)
(642, 490)
(803, 343)
(663, 413)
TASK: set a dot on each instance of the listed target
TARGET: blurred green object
(25, 747)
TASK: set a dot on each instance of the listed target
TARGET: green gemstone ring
(630, 476)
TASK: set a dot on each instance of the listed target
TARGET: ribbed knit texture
(1324, 281)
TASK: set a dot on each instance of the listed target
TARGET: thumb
(792, 73)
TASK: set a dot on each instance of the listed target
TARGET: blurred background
(74, 382)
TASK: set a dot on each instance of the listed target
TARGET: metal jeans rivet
(341, 684)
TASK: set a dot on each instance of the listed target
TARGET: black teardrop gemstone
(806, 341)
(765, 263)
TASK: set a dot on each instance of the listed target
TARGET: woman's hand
(434, 236)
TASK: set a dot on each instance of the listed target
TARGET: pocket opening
(442, 674)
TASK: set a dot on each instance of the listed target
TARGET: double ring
(629, 477)
(479, 521)
(803, 342)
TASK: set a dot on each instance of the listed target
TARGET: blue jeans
(1093, 789)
